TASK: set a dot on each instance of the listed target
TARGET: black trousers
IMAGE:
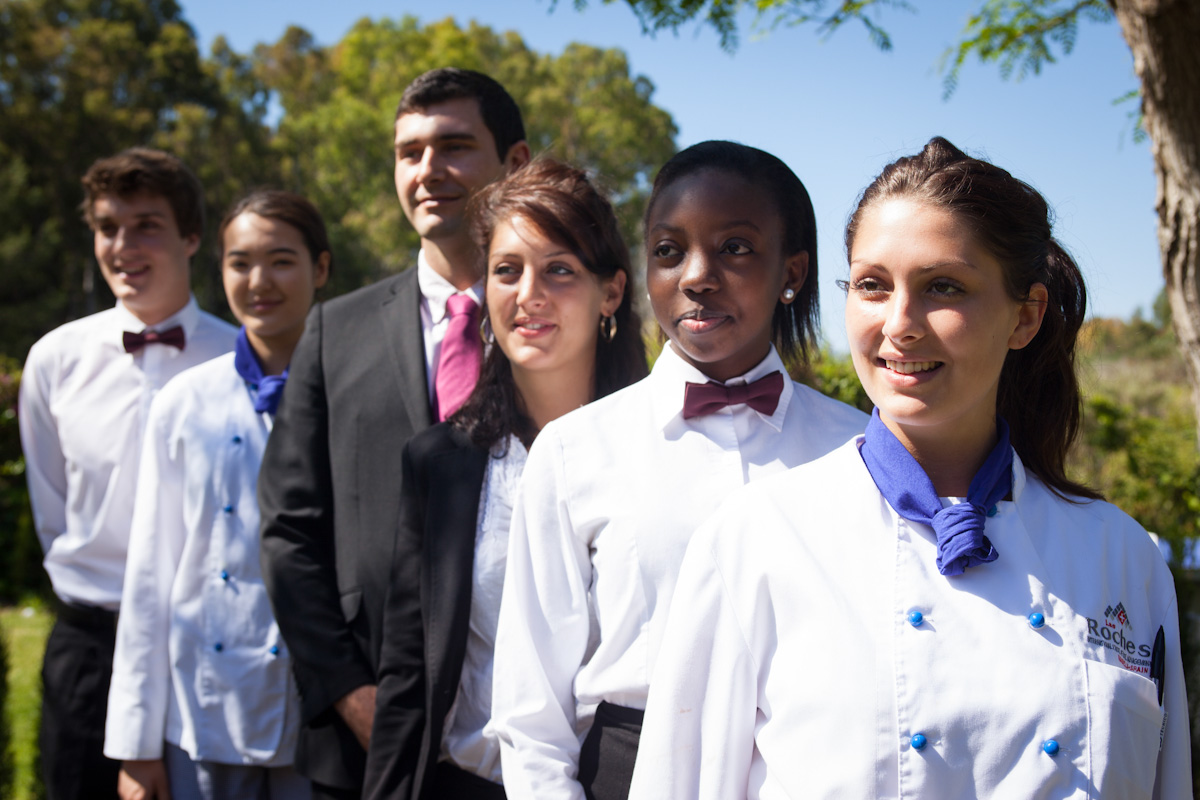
(76, 673)
(452, 783)
(608, 754)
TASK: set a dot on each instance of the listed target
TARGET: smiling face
(543, 303)
(444, 154)
(141, 254)
(270, 279)
(929, 320)
(715, 270)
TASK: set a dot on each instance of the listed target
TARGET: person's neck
(545, 397)
(154, 316)
(456, 259)
(274, 352)
(949, 457)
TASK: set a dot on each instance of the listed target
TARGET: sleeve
(295, 496)
(400, 700)
(542, 634)
(45, 464)
(139, 695)
(1174, 775)
(697, 738)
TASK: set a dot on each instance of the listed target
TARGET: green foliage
(24, 630)
(334, 140)
(834, 376)
(20, 553)
(1021, 36)
(6, 756)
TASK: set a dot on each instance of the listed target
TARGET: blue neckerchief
(267, 388)
(909, 491)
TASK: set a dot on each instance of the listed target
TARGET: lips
(701, 320)
(530, 327)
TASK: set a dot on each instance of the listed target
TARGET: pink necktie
(462, 351)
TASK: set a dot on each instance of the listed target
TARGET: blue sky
(838, 109)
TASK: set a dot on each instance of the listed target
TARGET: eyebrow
(725, 226)
(923, 267)
(139, 215)
(272, 251)
(441, 138)
(555, 254)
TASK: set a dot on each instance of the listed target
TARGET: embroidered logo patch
(1115, 632)
(1116, 614)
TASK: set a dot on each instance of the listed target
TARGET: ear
(795, 272)
(1029, 317)
(614, 290)
(192, 241)
(321, 269)
(518, 156)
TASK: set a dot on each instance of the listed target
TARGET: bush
(21, 570)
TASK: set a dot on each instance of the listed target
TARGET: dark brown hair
(794, 325)
(143, 170)
(282, 206)
(564, 205)
(500, 112)
(1039, 393)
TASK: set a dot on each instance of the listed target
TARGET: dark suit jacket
(428, 610)
(356, 393)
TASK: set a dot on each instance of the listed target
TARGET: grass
(25, 628)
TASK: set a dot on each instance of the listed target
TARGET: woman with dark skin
(613, 492)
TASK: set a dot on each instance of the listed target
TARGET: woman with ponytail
(935, 609)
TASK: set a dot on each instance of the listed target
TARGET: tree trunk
(1163, 35)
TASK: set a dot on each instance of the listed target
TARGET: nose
(430, 167)
(904, 320)
(530, 292)
(259, 277)
(699, 272)
(123, 240)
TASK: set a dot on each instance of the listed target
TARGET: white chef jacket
(791, 667)
(610, 496)
(83, 406)
(221, 689)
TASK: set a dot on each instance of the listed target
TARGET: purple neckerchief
(268, 388)
(906, 487)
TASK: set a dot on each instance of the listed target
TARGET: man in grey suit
(362, 381)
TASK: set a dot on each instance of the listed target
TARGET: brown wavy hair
(1039, 392)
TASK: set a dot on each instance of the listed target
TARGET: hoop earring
(485, 330)
(608, 328)
(789, 295)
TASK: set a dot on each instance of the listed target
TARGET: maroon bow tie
(136, 341)
(761, 395)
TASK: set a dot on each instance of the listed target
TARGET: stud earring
(789, 295)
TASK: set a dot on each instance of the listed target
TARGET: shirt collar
(671, 372)
(187, 318)
(436, 290)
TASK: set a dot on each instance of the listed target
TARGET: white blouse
(199, 661)
(84, 404)
(465, 742)
(610, 497)
(815, 651)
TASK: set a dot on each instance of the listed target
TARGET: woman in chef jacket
(612, 492)
(934, 609)
(202, 703)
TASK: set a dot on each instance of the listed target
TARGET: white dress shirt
(465, 742)
(610, 496)
(435, 291)
(792, 666)
(199, 660)
(84, 402)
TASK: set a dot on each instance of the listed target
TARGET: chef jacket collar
(671, 372)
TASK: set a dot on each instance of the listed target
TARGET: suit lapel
(455, 478)
(406, 343)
